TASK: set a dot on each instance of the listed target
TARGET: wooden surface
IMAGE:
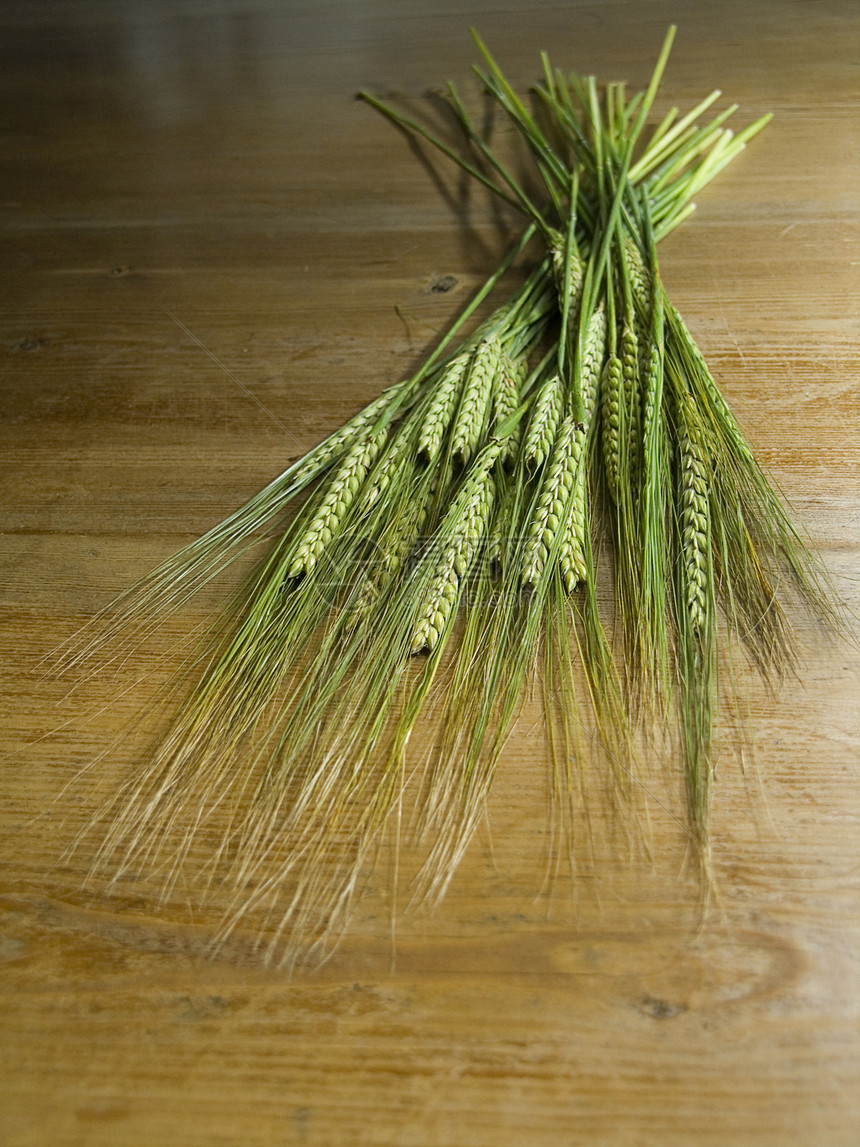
(204, 163)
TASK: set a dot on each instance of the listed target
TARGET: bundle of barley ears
(448, 544)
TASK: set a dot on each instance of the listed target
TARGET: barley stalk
(342, 491)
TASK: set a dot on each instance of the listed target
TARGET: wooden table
(213, 255)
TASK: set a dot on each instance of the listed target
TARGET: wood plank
(205, 164)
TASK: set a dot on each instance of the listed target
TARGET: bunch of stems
(578, 416)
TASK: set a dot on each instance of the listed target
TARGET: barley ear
(553, 502)
(569, 273)
(463, 530)
(695, 518)
(591, 363)
(342, 490)
(543, 422)
(571, 553)
(506, 398)
(471, 413)
(441, 408)
(611, 415)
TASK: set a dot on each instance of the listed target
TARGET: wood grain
(205, 164)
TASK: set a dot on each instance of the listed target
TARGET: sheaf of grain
(471, 413)
(553, 501)
(342, 491)
(543, 423)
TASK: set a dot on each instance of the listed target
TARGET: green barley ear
(543, 422)
(553, 502)
(572, 546)
(640, 280)
(695, 518)
(632, 399)
(611, 422)
(591, 363)
(569, 273)
(464, 529)
(477, 389)
(441, 408)
(342, 491)
(507, 396)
